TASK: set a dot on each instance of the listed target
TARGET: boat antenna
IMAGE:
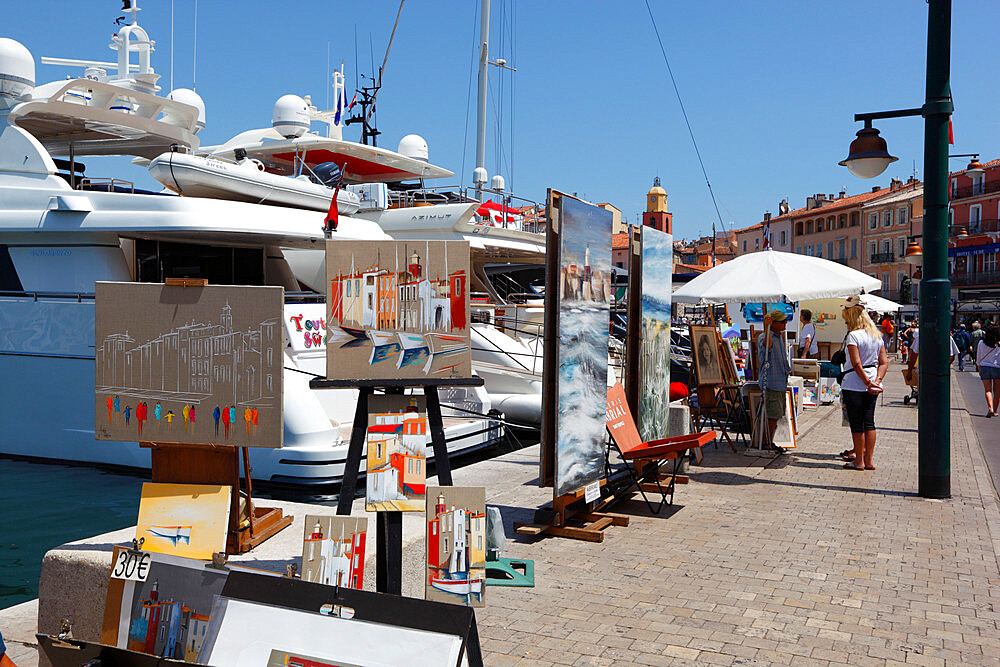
(171, 45)
(368, 93)
(194, 58)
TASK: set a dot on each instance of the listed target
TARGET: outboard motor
(328, 173)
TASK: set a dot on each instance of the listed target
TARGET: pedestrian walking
(774, 370)
(887, 329)
(975, 336)
(868, 364)
(808, 346)
(988, 361)
(962, 342)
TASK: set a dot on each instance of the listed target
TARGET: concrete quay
(790, 560)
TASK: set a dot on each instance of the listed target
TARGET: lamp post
(933, 419)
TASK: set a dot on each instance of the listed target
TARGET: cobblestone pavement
(787, 561)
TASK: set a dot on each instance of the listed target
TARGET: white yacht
(60, 232)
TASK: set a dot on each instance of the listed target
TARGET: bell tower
(656, 214)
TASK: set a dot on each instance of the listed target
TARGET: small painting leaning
(657, 274)
(456, 545)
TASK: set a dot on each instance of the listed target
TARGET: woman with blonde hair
(866, 365)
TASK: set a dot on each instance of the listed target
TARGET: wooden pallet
(569, 516)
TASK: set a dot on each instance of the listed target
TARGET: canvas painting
(397, 440)
(456, 545)
(397, 309)
(654, 361)
(584, 320)
(167, 615)
(189, 364)
(784, 434)
(190, 520)
(705, 350)
(333, 550)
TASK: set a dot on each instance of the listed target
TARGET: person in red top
(255, 422)
(191, 416)
(225, 421)
(110, 403)
(140, 415)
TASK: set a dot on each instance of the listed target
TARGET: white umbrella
(879, 304)
(775, 276)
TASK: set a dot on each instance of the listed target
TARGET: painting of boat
(414, 349)
(456, 545)
(462, 586)
(353, 331)
(384, 345)
(175, 534)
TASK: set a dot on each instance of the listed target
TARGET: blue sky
(770, 87)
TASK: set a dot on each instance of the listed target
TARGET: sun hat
(777, 316)
(851, 302)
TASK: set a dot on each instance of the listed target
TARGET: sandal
(851, 466)
(847, 455)
(869, 467)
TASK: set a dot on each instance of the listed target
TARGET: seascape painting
(396, 442)
(168, 614)
(456, 545)
(654, 361)
(333, 550)
(199, 365)
(190, 520)
(584, 320)
(397, 309)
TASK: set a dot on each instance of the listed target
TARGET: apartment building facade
(830, 226)
(974, 242)
(889, 224)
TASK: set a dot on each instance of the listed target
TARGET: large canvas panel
(396, 442)
(456, 545)
(584, 319)
(248, 633)
(189, 364)
(397, 309)
(189, 520)
(333, 550)
(167, 615)
(654, 362)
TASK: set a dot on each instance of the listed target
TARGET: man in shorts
(773, 356)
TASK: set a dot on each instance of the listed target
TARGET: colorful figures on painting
(164, 414)
(215, 415)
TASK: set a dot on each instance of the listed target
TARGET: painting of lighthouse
(397, 309)
(333, 551)
(201, 365)
(456, 545)
(582, 338)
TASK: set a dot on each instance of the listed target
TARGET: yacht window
(9, 282)
(157, 260)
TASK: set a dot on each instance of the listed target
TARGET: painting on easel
(397, 439)
(705, 350)
(657, 275)
(333, 550)
(456, 545)
(397, 309)
(199, 365)
(584, 319)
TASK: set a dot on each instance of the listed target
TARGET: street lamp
(934, 418)
(868, 156)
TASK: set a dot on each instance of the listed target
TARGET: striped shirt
(774, 371)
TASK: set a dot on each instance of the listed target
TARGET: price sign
(131, 565)
(592, 492)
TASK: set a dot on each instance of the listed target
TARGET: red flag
(951, 133)
(330, 224)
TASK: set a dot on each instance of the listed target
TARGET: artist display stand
(569, 515)
(174, 463)
(389, 525)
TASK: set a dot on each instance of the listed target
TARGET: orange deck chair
(644, 460)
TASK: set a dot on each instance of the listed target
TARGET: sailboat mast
(479, 175)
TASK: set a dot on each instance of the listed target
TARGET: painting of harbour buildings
(333, 551)
(397, 439)
(654, 362)
(397, 309)
(456, 545)
(168, 614)
(189, 364)
(584, 319)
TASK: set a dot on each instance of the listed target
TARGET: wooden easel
(569, 516)
(182, 463)
(389, 525)
(220, 465)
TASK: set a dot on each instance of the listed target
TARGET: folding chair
(644, 460)
(717, 406)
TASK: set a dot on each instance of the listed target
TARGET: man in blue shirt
(773, 357)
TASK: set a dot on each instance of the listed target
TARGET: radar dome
(188, 96)
(497, 183)
(17, 71)
(413, 146)
(291, 116)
